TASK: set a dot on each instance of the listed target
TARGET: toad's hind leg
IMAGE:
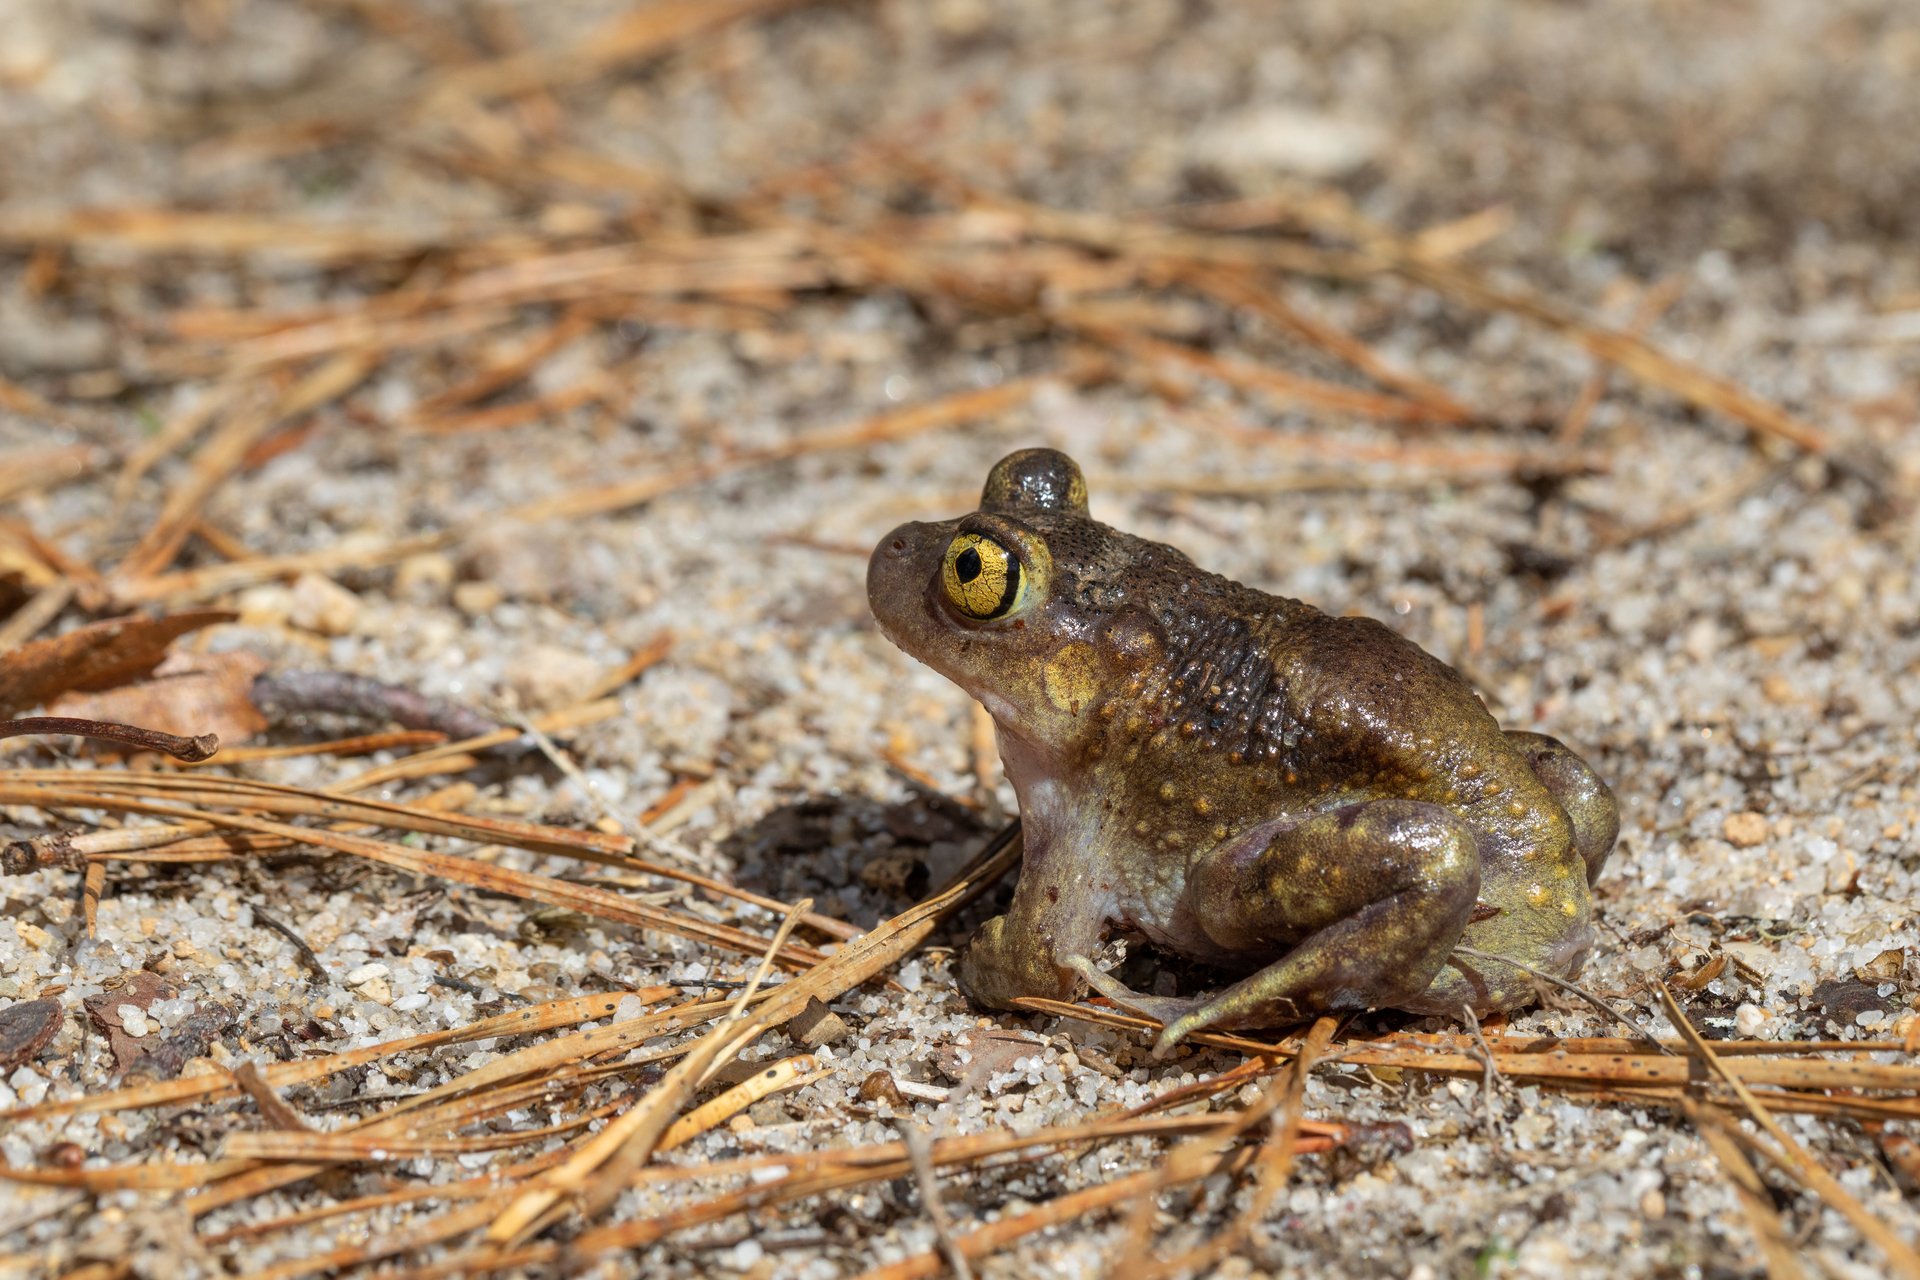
(1588, 800)
(1366, 901)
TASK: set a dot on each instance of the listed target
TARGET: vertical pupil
(966, 565)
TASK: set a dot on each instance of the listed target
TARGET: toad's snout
(893, 576)
(889, 558)
(897, 545)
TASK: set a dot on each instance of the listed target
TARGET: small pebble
(65, 1155)
(477, 598)
(880, 1086)
(547, 677)
(423, 577)
(816, 1025)
(321, 605)
(1744, 830)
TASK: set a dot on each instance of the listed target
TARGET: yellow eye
(982, 577)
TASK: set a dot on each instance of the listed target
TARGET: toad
(1314, 802)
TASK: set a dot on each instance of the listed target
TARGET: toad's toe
(1165, 1010)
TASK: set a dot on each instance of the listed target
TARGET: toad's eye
(982, 578)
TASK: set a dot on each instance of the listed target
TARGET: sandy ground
(1729, 628)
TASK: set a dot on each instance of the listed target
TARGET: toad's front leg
(1058, 912)
(1371, 896)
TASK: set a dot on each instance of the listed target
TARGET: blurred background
(499, 339)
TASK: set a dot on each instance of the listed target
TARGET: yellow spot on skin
(1220, 833)
(1568, 909)
(1141, 827)
(1537, 895)
(1071, 678)
(1168, 791)
(1202, 806)
(1517, 809)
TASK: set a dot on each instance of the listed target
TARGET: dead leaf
(1885, 967)
(186, 1040)
(880, 1086)
(162, 1053)
(190, 694)
(142, 990)
(973, 1058)
(98, 656)
(26, 1027)
(1698, 979)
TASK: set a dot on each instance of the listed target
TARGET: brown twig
(191, 750)
(1627, 351)
(1572, 989)
(1789, 1156)
(284, 695)
(273, 1108)
(223, 453)
(1776, 1247)
(302, 948)
(1285, 1099)
(920, 1153)
(1653, 303)
(1237, 291)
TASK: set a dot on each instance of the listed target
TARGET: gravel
(1730, 631)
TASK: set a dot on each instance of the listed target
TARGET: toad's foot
(1178, 1016)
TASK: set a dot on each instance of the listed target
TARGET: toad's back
(1278, 707)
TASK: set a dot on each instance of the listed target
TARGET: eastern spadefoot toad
(1315, 802)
